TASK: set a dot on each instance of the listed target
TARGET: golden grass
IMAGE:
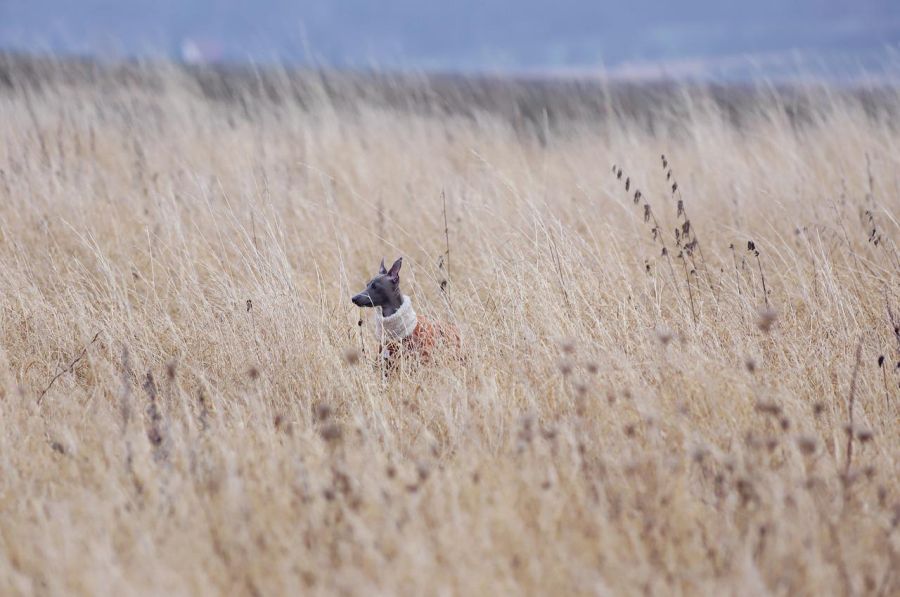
(625, 422)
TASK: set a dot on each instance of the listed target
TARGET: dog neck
(397, 325)
(393, 304)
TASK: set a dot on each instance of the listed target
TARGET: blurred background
(638, 39)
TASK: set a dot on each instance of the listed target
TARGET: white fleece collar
(397, 326)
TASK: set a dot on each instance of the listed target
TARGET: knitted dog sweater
(404, 331)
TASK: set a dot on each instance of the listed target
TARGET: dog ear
(382, 269)
(395, 269)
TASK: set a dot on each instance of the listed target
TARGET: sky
(635, 38)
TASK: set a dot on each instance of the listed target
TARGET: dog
(398, 329)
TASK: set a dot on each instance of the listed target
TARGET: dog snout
(362, 300)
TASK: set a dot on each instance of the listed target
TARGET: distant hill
(640, 38)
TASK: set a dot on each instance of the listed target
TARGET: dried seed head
(864, 435)
(331, 433)
(750, 364)
(767, 317)
(818, 408)
(592, 368)
(746, 490)
(321, 412)
(807, 444)
(171, 370)
(567, 346)
(565, 366)
(351, 356)
(768, 407)
(253, 372)
(699, 454)
(664, 335)
(526, 433)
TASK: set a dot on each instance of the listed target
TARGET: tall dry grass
(189, 405)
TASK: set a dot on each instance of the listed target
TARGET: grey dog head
(383, 290)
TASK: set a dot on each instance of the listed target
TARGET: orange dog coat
(404, 331)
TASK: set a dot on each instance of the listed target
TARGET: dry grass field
(663, 392)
